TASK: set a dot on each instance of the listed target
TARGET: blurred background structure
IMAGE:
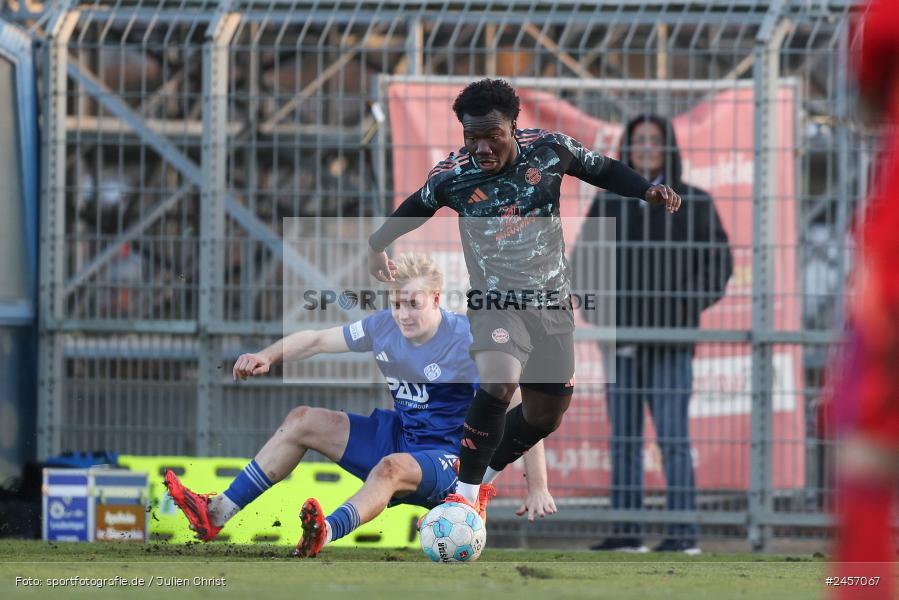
(176, 137)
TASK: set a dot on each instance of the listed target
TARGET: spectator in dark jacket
(669, 268)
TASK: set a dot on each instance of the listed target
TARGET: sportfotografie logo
(365, 299)
(530, 299)
(375, 300)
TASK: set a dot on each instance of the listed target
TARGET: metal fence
(178, 137)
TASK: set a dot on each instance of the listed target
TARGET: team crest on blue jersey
(432, 371)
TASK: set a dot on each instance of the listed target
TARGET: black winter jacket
(669, 268)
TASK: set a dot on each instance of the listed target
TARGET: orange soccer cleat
(194, 506)
(312, 520)
(485, 495)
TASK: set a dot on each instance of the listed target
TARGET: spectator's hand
(380, 266)
(663, 194)
(248, 365)
(539, 502)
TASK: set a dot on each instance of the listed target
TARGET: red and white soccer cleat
(194, 506)
(483, 498)
(459, 499)
(312, 520)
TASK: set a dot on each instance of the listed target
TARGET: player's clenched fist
(663, 194)
(248, 365)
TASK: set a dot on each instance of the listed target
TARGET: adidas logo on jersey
(382, 356)
(446, 461)
(477, 196)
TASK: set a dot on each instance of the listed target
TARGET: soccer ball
(452, 532)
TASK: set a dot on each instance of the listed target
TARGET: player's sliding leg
(485, 420)
(320, 429)
(304, 428)
(395, 475)
(538, 415)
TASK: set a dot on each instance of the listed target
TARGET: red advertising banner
(716, 142)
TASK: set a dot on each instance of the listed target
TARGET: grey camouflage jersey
(510, 224)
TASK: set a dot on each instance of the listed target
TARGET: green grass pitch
(263, 571)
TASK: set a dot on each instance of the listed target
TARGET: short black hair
(481, 97)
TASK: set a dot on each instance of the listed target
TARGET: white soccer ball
(452, 532)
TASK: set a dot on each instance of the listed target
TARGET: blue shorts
(379, 434)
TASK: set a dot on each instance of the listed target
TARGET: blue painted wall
(18, 311)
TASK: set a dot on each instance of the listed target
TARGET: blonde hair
(412, 265)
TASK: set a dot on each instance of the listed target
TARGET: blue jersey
(431, 384)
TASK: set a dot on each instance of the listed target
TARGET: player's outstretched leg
(194, 506)
(304, 428)
(396, 474)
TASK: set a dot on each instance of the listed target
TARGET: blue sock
(343, 520)
(247, 486)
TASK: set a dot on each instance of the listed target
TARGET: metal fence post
(415, 47)
(212, 216)
(764, 200)
(52, 255)
(844, 194)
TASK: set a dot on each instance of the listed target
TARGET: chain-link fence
(179, 136)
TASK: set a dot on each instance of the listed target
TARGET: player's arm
(409, 215)
(610, 174)
(538, 501)
(296, 346)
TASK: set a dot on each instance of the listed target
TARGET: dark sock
(519, 437)
(481, 435)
